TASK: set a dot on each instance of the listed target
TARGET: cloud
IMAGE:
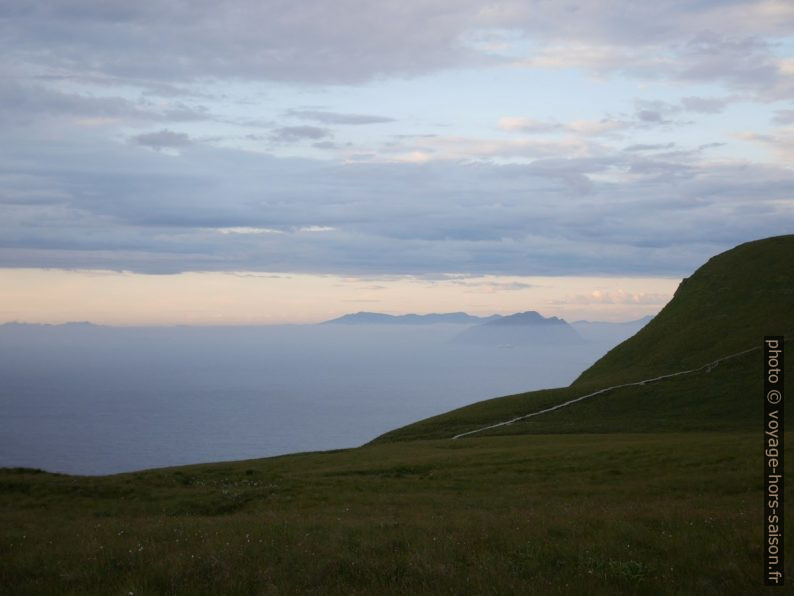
(647, 114)
(626, 23)
(527, 125)
(324, 117)
(326, 145)
(294, 134)
(618, 297)
(493, 287)
(579, 127)
(596, 127)
(649, 147)
(745, 63)
(650, 116)
(29, 104)
(220, 209)
(315, 229)
(163, 139)
(704, 105)
(661, 113)
(740, 62)
(247, 230)
(456, 148)
(780, 142)
(554, 197)
(250, 39)
(597, 59)
(783, 117)
(654, 113)
(324, 43)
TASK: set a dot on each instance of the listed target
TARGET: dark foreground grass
(620, 513)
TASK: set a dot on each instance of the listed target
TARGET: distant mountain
(641, 321)
(70, 325)
(78, 326)
(611, 332)
(521, 329)
(375, 318)
(530, 317)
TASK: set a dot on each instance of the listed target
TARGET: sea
(95, 400)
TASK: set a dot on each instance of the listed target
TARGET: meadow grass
(614, 513)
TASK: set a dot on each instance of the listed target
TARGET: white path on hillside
(705, 367)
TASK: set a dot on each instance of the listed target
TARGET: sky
(240, 161)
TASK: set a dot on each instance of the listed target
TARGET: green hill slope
(725, 307)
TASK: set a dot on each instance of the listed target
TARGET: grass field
(615, 513)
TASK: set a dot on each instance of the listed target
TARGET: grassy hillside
(726, 398)
(570, 514)
(725, 307)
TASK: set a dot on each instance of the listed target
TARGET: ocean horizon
(84, 399)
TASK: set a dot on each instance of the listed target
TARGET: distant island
(69, 325)
(521, 328)
(376, 318)
(641, 321)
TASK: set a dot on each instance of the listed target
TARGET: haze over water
(98, 400)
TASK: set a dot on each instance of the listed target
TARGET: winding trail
(705, 368)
